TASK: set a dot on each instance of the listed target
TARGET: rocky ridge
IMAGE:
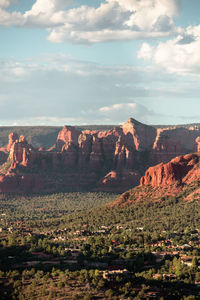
(112, 160)
(180, 178)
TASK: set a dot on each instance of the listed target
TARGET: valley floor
(53, 248)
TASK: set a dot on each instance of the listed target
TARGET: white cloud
(180, 55)
(6, 3)
(56, 89)
(12, 71)
(147, 13)
(146, 51)
(118, 107)
(117, 20)
(13, 18)
(46, 13)
(47, 6)
(9, 18)
(47, 63)
(112, 20)
(42, 120)
(122, 111)
(171, 7)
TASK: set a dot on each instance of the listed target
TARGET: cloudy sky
(99, 62)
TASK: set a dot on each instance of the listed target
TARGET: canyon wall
(112, 160)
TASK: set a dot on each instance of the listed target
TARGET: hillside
(179, 178)
(78, 243)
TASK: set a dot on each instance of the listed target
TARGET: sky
(99, 62)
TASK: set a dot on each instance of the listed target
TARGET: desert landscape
(99, 150)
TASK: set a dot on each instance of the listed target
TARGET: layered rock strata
(178, 179)
(112, 160)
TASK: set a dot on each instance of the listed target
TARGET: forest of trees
(64, 245)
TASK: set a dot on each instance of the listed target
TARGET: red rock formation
(85, 148)
(69, 155)
(179, 170)
(109, 139)
(86, 158)
(124, 157)
(118, 181)
(96, 156)
(20, 152)
(171, 142)
(198, 143)
(120, 154)
(4, 151)
(180, 178)
(139, 136)
(67, 135)
(13, 183)
(11, 139)
(56, 161)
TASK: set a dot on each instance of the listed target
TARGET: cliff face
(180, 178)
(171, 142)
(21, 153)
(197, 144)
(67, 135)
(180, 170)
(112, 160)
(138, 135)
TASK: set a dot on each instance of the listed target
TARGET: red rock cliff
(198, 143)
(67, 135)
(113, 159)
(180, 170)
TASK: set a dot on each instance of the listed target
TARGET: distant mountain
(45, 136)
(41, 136)
(112, 159)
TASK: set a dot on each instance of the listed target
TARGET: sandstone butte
(112, 160)
(180, 177)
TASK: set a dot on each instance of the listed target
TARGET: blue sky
(99, 62)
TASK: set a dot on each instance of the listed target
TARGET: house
(169, 276)
(111, 275)
(157, 276)
(186, 260)
(70, 261)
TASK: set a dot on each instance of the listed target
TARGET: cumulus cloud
(56, 89)
(146, 51)
(180, 55)
(162, 6)
(122, 111)
(6, 3)
(117, 20)
(46, 13)
(150, 14)
(111, 20)
(47, 6)
(9, 19)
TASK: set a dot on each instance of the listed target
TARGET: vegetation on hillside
(70, 246)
